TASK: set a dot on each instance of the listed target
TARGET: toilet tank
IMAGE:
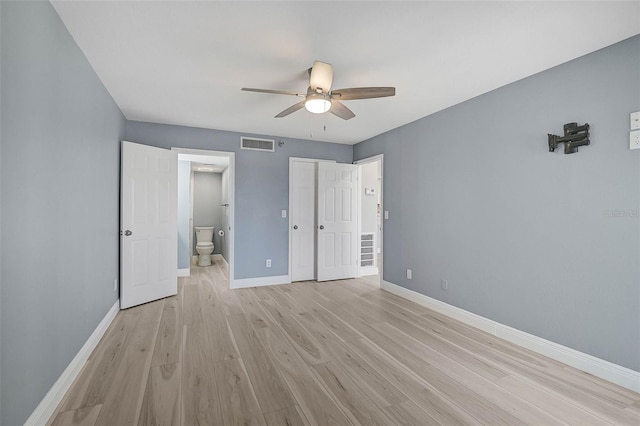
(204, 234)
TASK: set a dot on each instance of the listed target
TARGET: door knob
(295, 226)
(127, 232)
(321, 226)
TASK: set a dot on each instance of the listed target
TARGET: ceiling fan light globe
(317, 103)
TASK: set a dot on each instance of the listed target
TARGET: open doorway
(370, 221)
(206, 191)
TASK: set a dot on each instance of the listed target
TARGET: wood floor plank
(334, 290)
(222, 345)
(256, 314)
(470, 379)
(200, 402)
(380, 389)
(123, 400)
(81, 417)
(408, 413)
(291, 416)
(446, 412)
(97, 375)
(169, 342)
(238, 402)
(350, 395)
(313, 399)
(230, 302)
(271, 391)
(161, 403)
(304, 343)
(555, 406)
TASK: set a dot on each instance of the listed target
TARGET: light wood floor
(340, 352)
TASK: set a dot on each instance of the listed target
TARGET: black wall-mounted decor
(574, 136)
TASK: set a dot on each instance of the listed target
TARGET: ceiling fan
(320, 98)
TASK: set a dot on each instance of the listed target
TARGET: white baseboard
(261, 281)
(52, 399)
(606, 370)
(184, 272)
(214, 257)
(223, 260)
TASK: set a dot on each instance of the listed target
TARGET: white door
(337, 221)
(302, 178)
(148, 220)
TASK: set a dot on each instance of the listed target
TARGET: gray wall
(184, 213)
(61, 136)
(525, 236)
(207, 197)
(262, 187)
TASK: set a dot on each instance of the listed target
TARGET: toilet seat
(204, 245)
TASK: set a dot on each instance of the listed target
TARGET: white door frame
(186, 153)
(375, 158)
(291, 160)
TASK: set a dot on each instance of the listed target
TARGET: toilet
(204, 244)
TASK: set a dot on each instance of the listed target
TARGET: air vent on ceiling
(257, 144)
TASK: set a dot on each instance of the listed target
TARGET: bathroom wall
(544, 242)
(60, 186)
(207, 209)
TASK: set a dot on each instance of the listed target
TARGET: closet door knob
(295, 226)
(127, 232)
(321, 226)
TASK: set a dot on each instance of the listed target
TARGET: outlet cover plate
(634, 139)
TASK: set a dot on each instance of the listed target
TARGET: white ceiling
(184, 62)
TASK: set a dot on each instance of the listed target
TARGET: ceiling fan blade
(340, 110)
(291, 109)
(275, 92)
(363, 93)
(321, 76)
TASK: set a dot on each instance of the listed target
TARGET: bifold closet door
(303, 212)
(148, 220)
(337, 233)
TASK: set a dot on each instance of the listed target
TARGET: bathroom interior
(207, 199)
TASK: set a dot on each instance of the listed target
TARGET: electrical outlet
(409, 274)
(634, 139)
(115, 284)
(444, 284)
(284, 214)
(268, 263)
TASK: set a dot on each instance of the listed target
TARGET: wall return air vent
(257, 144)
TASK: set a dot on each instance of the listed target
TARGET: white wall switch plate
(409, 274)
(634, 119)
(386, 214)
(634, 139)
(284, 213)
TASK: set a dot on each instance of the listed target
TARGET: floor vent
(255, 144)
(367, 250)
